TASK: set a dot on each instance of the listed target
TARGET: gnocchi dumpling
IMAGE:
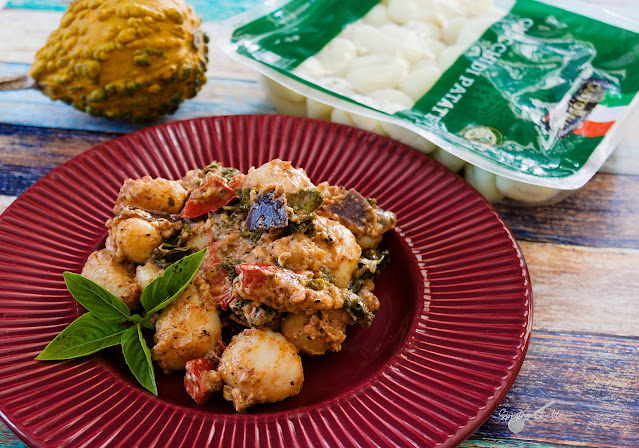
(260, 366)
(135, 239)
(521, 191)
(277, 172)
(342, 117)
(402, 11)
(287, 107)
(449, 55)
(280, 91)
(375, 72)
(408, 137)
(337, 55)
(391, 100)
(420, 80)
(315, 109)
(368, 124)
(318, 333)
(151, 194)
(146, 273)
(449, 160)
(117, 278)
(484, 182)
(187, 329)
(378, 15)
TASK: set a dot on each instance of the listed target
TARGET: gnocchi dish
(289, 266)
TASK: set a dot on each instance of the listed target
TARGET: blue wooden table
(582, 369)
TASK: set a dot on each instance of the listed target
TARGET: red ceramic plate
(445, 347)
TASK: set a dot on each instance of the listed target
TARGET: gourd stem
(17, 82)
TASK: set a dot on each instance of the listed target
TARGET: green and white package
(538, 99)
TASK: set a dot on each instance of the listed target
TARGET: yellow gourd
(124, 60)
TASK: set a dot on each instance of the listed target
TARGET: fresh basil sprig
(97, 300)
(84, 336)
(164, 289)
(104, 325)
(138, 357)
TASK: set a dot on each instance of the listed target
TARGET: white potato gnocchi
(524, 192)
(384, 47)
(376, 71)
(260, 366)
(447, 159)
(135, 239)
(117, 278)
(484, 182)
(320, 111)
(189, 328)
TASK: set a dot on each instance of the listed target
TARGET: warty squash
(124, 60)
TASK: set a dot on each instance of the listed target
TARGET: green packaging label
(534, 95)
(537, 92)
(299, 29)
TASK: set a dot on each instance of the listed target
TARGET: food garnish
(105, 322)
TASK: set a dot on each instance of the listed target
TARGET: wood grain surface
(593, 381)
(584, 289)
(602, 213)
(582, 253)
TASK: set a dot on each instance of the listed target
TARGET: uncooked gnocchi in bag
(526, 98)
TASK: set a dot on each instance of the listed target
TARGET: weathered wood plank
(30, 153)
(593, 382)
(22, 33)
(490, 442)
(9, 439)
(222, 97)
(34, 28)
(603, 214)
(45, 147)
(584, 289)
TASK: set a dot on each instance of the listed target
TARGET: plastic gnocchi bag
(526, 98)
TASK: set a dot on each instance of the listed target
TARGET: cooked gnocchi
(290, 265)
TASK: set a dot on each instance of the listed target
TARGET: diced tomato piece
(210, 197)
(221, 287)
(201, 381)
(255, 275)
(217, 277)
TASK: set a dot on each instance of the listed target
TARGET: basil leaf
(84, 336)
(164, 289)
(138, 357)
(97, 300)
(136, 319)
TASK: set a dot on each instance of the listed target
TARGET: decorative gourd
(124, 60)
